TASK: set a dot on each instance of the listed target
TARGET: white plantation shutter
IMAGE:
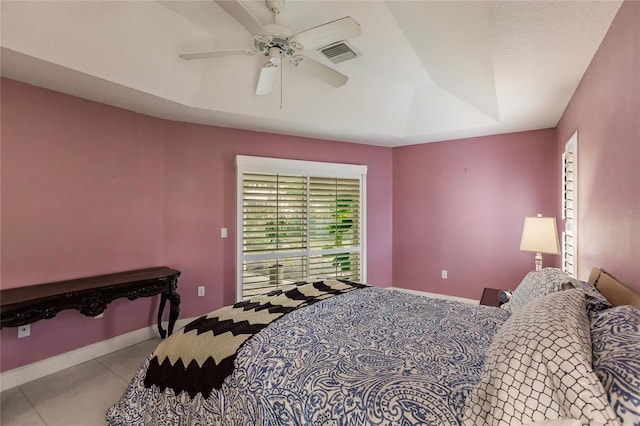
(274, 230)
(570, 206)
(334, 228)
(296, 221)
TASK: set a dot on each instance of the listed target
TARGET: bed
(342, 353)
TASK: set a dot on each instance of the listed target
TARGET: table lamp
(540, 235)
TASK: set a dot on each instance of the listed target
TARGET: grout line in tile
(126, 381)
(33, 407)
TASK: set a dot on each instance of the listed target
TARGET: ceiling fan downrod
(275, 6)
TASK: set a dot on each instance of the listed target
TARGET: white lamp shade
(540, 235)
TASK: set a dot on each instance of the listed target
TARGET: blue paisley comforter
(370, 357)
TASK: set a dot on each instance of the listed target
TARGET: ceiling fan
(277, 43)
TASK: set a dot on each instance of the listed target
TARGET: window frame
(269, 165)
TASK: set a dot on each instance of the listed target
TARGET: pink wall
(90, 189)
(460, 206)
(605, 110)
(81, 189)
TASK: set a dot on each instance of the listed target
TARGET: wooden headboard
(615, 291)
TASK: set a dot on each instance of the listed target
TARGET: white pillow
(537, 284)
(539, 368)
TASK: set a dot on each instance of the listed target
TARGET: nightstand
(490, 297)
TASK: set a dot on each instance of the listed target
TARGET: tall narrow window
(570, 206)
(298, 220)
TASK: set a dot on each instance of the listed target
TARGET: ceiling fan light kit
(277, 42)
(275, 55)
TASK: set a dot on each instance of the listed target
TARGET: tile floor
(77, 396)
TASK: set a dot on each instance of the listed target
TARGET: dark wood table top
(12, 296)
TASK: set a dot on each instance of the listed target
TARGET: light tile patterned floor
(77, 396)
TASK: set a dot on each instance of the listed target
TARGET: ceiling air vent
(339, 52)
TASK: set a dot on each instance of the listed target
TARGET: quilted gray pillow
(539, 368)
(537, 284)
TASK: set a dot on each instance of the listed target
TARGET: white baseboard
(438, 296)
(26, 373)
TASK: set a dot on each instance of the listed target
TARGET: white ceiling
(429, 71)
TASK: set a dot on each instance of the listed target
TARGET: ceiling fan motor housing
(278, 36)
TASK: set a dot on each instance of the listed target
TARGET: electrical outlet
(444, 274)
(223, 232)
(200, 290)
(24, 331)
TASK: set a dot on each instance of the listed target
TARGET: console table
(90, 296)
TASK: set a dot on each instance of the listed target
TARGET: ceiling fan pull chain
(281, 78)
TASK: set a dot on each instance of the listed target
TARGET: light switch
(223, 232)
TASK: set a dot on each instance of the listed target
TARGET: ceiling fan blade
(242, 15)
(320, 71)
(325, 34)
(217, 53)
(267, 78)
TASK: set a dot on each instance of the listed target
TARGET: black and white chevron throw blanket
(198, 358)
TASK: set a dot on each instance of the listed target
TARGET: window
(298, 220)
(570, 206)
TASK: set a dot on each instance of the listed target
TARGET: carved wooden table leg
(174, 308)
(163, 301)
(174, 311)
